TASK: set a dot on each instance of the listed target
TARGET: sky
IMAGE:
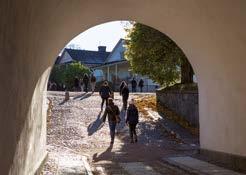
(107, 34)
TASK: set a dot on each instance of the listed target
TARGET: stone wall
(32, 33)
(183, 103)
(31, 147)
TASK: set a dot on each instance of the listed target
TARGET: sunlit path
(78, 143)
(75, 129)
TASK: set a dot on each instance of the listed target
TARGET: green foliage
(65, 74)
(188, 87)
(154, 54)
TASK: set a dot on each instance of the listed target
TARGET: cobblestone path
(76, 140)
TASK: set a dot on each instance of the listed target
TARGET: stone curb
(182, 167)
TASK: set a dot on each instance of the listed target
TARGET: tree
(154, 54)
(186, 71)
(65, 74)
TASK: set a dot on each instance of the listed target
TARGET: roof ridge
(81, 50)
(121, 39)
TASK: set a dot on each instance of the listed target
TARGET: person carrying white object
(93, 83)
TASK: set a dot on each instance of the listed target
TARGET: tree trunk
(186, 72)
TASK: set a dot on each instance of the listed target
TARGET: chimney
(102, 48)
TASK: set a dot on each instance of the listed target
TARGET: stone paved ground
(75, 134)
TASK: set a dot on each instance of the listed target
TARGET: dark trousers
(141, 89)
(112, 126)
(132, 129)
(77, 89)
(86, 87)
(124, 102)
(133, 89)
(103, 100)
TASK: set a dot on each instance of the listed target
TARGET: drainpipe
(116, 72)
(108, 73)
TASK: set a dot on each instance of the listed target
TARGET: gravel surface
(75, 132)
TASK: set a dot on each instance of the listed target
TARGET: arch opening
(67, 57)
(217, 35)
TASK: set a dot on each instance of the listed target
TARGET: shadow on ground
(79, 96)
(63, 102)
(95, 125)
(86, 95)
(154, 143)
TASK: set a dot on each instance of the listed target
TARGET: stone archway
(212, 35)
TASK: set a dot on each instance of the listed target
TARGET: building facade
(111, 66)
(117, 69)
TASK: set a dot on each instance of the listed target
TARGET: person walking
(105, 93)
(122, 84)
(113, 112)
(85, 82)
(125, 95)
(53, 86)
(141, 84)
(134, 85)
(93, 83)
(76, 84)
(132, 120)
(81, 85)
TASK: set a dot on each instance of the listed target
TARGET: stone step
(73, 164)
(199, 167)
(138, 168)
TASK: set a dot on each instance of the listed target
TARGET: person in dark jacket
(76, 84)
(122, 84)
(53, 86)
(125, 96)
(112, 111)
(105, 93)
(132, 120)
(141, 84)
(134, 85)
(85, 82)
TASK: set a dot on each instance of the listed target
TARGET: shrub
(65, 74)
